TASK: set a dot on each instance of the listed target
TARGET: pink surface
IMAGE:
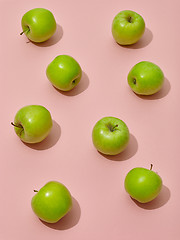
(102, 209)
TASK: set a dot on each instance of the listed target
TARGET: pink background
(102, 209)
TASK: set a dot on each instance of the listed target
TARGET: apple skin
(143, 184)
(64, 72)
(32, 123)
(110, 135)
(38, 24)
(145, 78)
(52, 202)
(127, 27)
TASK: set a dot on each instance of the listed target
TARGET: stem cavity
(130, 19)
(134, 81)
(25, 31)
(112, 128)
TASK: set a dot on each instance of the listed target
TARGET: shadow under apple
(69, 220)
(79, 88)
(128, 153)
(144, 41)
(158, 202)
(50, 140)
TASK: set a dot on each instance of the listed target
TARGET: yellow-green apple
(38, 24)
(110, 135)
(52, 202)
(64, 72)
(145, 78)
(32, 123)
(143, 184)
(127, 27)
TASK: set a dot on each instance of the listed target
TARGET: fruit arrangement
(110, 135)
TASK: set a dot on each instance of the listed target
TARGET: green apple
(127, 27)
(38, 24)
(51, 202)
(64, 72)
(145, 78)
(32, 123)
(110, 135)
(143, 184)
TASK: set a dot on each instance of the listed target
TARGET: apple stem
(113, 128)
(35, 190)
(27, 30)
(19, 126)
(151, 166)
